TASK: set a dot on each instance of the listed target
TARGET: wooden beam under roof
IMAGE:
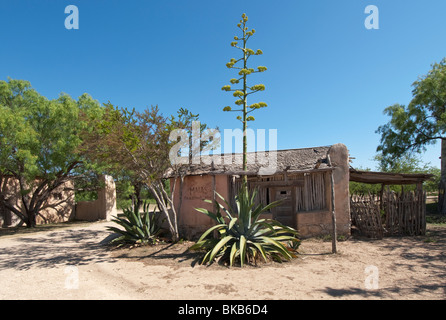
(388, 178)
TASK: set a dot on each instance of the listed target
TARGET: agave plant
(243, 236)
(138, 228)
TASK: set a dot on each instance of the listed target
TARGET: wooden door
(284, 212)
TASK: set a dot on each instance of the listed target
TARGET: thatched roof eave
(388, 178)
(259, 163)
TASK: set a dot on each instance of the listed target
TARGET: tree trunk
(31, 219)
(442, 186)
(157, 189)
(137, 194)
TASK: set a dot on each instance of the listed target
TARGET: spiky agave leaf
(137, 228)
(245, 237)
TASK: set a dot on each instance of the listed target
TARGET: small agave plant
(242, 236)
(138, 228)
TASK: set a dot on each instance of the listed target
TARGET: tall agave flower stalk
(243, 89)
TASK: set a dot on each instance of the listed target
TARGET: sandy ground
(75, 263)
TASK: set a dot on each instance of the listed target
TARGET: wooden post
(421, 209)
(381, 197)
(333, 212)
(306, 191)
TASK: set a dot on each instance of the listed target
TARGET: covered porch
(388, 212)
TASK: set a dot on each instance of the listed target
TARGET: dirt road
(74, 263)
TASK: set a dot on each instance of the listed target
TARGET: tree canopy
(419, 124)
(422, 122)
(40, 143)
(138, 143)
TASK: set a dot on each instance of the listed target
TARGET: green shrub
(242, 236)
(138, 227)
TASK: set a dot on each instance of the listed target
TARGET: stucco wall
(62, 200)
(195, 190)
(340, 160)
(66, 210)
(103, 207)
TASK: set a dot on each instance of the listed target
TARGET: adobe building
(301, 178)
(60, 205)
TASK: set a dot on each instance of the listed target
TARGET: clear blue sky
(328, 80)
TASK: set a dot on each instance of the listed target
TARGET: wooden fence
(366, 215)
(405, 213)
(392, 214)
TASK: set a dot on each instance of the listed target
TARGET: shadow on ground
(170, 254)
(67, 247)
(419, 254)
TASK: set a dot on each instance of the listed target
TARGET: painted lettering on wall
(198, 192)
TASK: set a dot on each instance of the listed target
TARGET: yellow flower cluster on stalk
(243, 71)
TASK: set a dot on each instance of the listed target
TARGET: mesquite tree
(421, 123)
(40, 146)
(138, 142)
(244, 90)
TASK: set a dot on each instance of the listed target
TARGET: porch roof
(388, 178)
